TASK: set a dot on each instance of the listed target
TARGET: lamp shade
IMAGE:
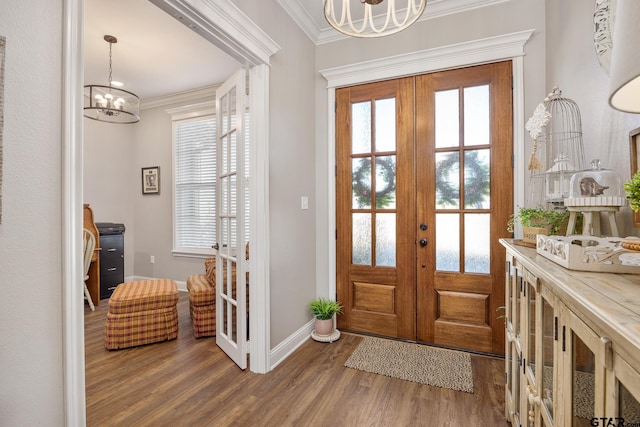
(625, 58)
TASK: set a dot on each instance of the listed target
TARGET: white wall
(574, 67)
(30, 234)
(110, 178)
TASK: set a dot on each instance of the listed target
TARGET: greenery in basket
(324, 309)
(632, 188)
(555, 220)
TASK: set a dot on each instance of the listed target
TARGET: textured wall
(30, 233)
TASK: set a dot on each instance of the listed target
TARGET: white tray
(589, 253)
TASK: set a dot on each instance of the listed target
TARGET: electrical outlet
(152, 259)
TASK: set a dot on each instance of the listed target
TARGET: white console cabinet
(572, 344)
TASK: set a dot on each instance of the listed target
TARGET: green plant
(632, 187)
(555, 220)
(324, 309)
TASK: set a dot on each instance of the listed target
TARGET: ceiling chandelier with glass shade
(372, 18)
(110, 103)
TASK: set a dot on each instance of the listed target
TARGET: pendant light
(109, 103)
(396, 18)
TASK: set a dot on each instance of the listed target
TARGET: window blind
(195, 184)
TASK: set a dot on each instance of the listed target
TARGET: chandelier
(368, 25)
(109, 103)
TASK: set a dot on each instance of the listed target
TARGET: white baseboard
(182, 285)
(290, 344)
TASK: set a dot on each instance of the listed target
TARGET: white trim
(479, 51)
(259, 258)
(72, 216)
(325, 34)
(508, 46)
(226, 26)
(207, 108)
(291, 343)
(184, 97)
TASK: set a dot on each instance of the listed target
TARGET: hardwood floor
(189, 382)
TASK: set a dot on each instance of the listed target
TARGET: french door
(424, 192)
(231, 277)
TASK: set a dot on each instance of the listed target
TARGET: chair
(89, 246)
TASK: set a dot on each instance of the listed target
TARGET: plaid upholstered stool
(142, 312)
(202, 305)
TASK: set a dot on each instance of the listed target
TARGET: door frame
(475, 52)
(226, 26)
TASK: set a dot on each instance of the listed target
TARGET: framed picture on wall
(634, 143)
(151, 180)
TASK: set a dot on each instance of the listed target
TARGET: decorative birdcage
(556, 129)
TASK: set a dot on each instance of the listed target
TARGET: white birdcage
(557, 131)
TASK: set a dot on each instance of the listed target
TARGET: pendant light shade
(625, 58)
(372, 18)
(107, 103)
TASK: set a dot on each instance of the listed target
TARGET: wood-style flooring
(189, 382)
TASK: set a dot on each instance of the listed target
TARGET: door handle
(216, 246)
(423, 242)
(423, 227)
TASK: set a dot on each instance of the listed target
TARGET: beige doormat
(414, 362)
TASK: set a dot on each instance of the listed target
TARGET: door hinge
(336, 234)
(335, 170)
(564, 339)
(555, 328)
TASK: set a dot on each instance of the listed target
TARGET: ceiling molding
(321, 35)
(186, 97)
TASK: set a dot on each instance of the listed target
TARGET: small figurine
(589, 187)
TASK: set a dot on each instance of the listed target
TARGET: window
(194, 220)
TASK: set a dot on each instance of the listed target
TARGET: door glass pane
(476, 179)
(584, 382)
(448, 180)
(448, 242)
(531, 327)
(224, 146)
(233, 154)
(386, 182)
(547, 356)
(361, 240)
(476, 115)
(386, 239)
(516, 309)
(361, 127)
(447, 119)
(628, 406)
(385, 124)
(476, 243)
(361, 182)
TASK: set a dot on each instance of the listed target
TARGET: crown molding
(321, 35)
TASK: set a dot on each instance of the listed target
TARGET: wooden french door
(376, 208)
(440, 146)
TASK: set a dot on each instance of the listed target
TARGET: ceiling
(156, 55)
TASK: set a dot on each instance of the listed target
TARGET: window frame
(191, 112)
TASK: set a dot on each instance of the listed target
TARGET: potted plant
(324, 310)
(539, 220)
(632, 188)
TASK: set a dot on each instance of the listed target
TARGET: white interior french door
(231, 265)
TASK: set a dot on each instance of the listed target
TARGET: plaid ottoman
(202, 305)
(142, 312)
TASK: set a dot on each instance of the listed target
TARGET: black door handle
(423, 227)
(423, 242)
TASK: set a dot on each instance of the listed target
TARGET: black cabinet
(111, 257)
